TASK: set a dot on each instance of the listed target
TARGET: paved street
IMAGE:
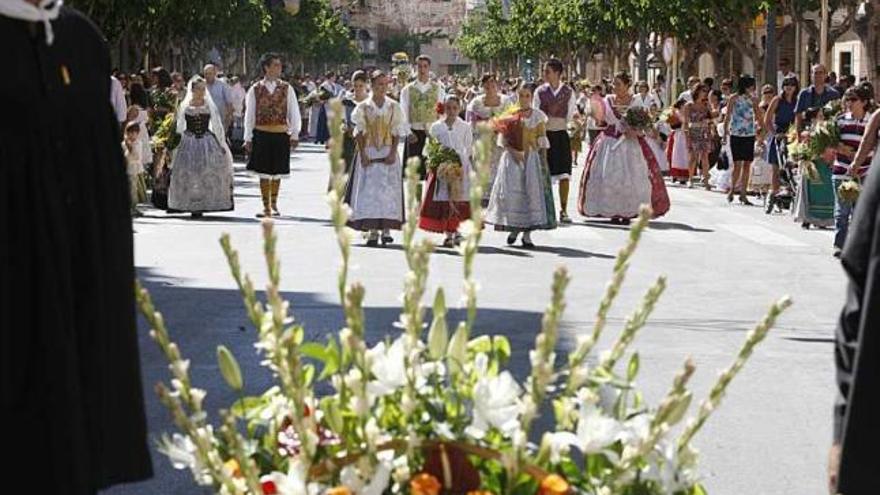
(725, 265)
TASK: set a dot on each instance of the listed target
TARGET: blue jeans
(842, 214)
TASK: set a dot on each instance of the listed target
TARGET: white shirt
(117, 99)
(686, 96)
(647, 102)
(294, 121)
(421, 88)
(238, 97)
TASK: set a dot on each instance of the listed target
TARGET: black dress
(70, 380)
(857, 349)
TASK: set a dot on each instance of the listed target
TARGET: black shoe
(387, 239)
(744, 200)
(528, 244)
(196, 214)
(625, 221)
(805, 225)
(838, 252)
(449, 242)
(511, 238)
(771, 202)
(372, 242)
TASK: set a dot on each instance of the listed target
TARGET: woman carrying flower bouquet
(484, 108)
(521, 199)
(622, 172)
(852, 125)
(445, 204)
(375, 186)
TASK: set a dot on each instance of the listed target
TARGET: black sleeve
(856, 257)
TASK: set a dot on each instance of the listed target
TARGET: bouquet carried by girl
(446, 204)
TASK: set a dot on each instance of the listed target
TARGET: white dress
(375, 190)
(618, 178)
(478, 112)
(521, 198)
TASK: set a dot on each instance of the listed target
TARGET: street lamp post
(823, 35)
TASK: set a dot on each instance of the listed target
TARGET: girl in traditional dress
(375, 186)
(359, 93)
(201, 180)
(483, 108)
(446, 203)
(676, 148)
(134, 168)
(521, 199)
(622, 172)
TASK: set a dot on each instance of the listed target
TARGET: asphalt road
(725, 265)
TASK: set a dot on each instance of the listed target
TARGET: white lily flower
(496, 404)
(350, 478)
(181, 451)
(291, 483)
(595, 431)
(389, 368)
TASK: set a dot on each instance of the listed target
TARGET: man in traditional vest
(271, 130)
(558, 101)
(418, 100)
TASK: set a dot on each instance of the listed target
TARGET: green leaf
(699, 490)
(229, 368)
(243, 407)
(501, 346)
(333, 359)
(314, 350)
(632, 369)
(483, 344)
(308, 374)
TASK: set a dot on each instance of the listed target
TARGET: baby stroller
(784, 198)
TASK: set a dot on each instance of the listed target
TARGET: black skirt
(70, 381)
(270, 155)
(559, 154)
(742, 148)
(414, 150)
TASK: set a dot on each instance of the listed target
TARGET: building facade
(382, 27)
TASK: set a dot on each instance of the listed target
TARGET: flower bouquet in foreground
(446, 165)
(433, 408)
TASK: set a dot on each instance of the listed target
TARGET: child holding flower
(445, 203)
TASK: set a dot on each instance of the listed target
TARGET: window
(846, 64)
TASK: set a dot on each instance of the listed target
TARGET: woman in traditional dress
(202, 167)
(446, 203)
(676, 147)
(521, 199)
(622, 173)
(359, 93)
(482, 109)
(698, 133)
(375, 186)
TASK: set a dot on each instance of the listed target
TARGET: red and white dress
(621, 173)
(440, 211)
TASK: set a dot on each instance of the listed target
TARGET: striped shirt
(851, 132)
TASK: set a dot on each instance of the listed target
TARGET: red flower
(269, 488)
(440, 108)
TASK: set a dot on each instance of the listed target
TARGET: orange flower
(554, 485)
(425, 484)
(233, 467)
(339, 490)
(480, 492)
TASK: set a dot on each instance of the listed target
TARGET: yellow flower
(424, 484)
(232, 466)
(554, 485)
(339, 490)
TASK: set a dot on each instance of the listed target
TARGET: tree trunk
(643, 56)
